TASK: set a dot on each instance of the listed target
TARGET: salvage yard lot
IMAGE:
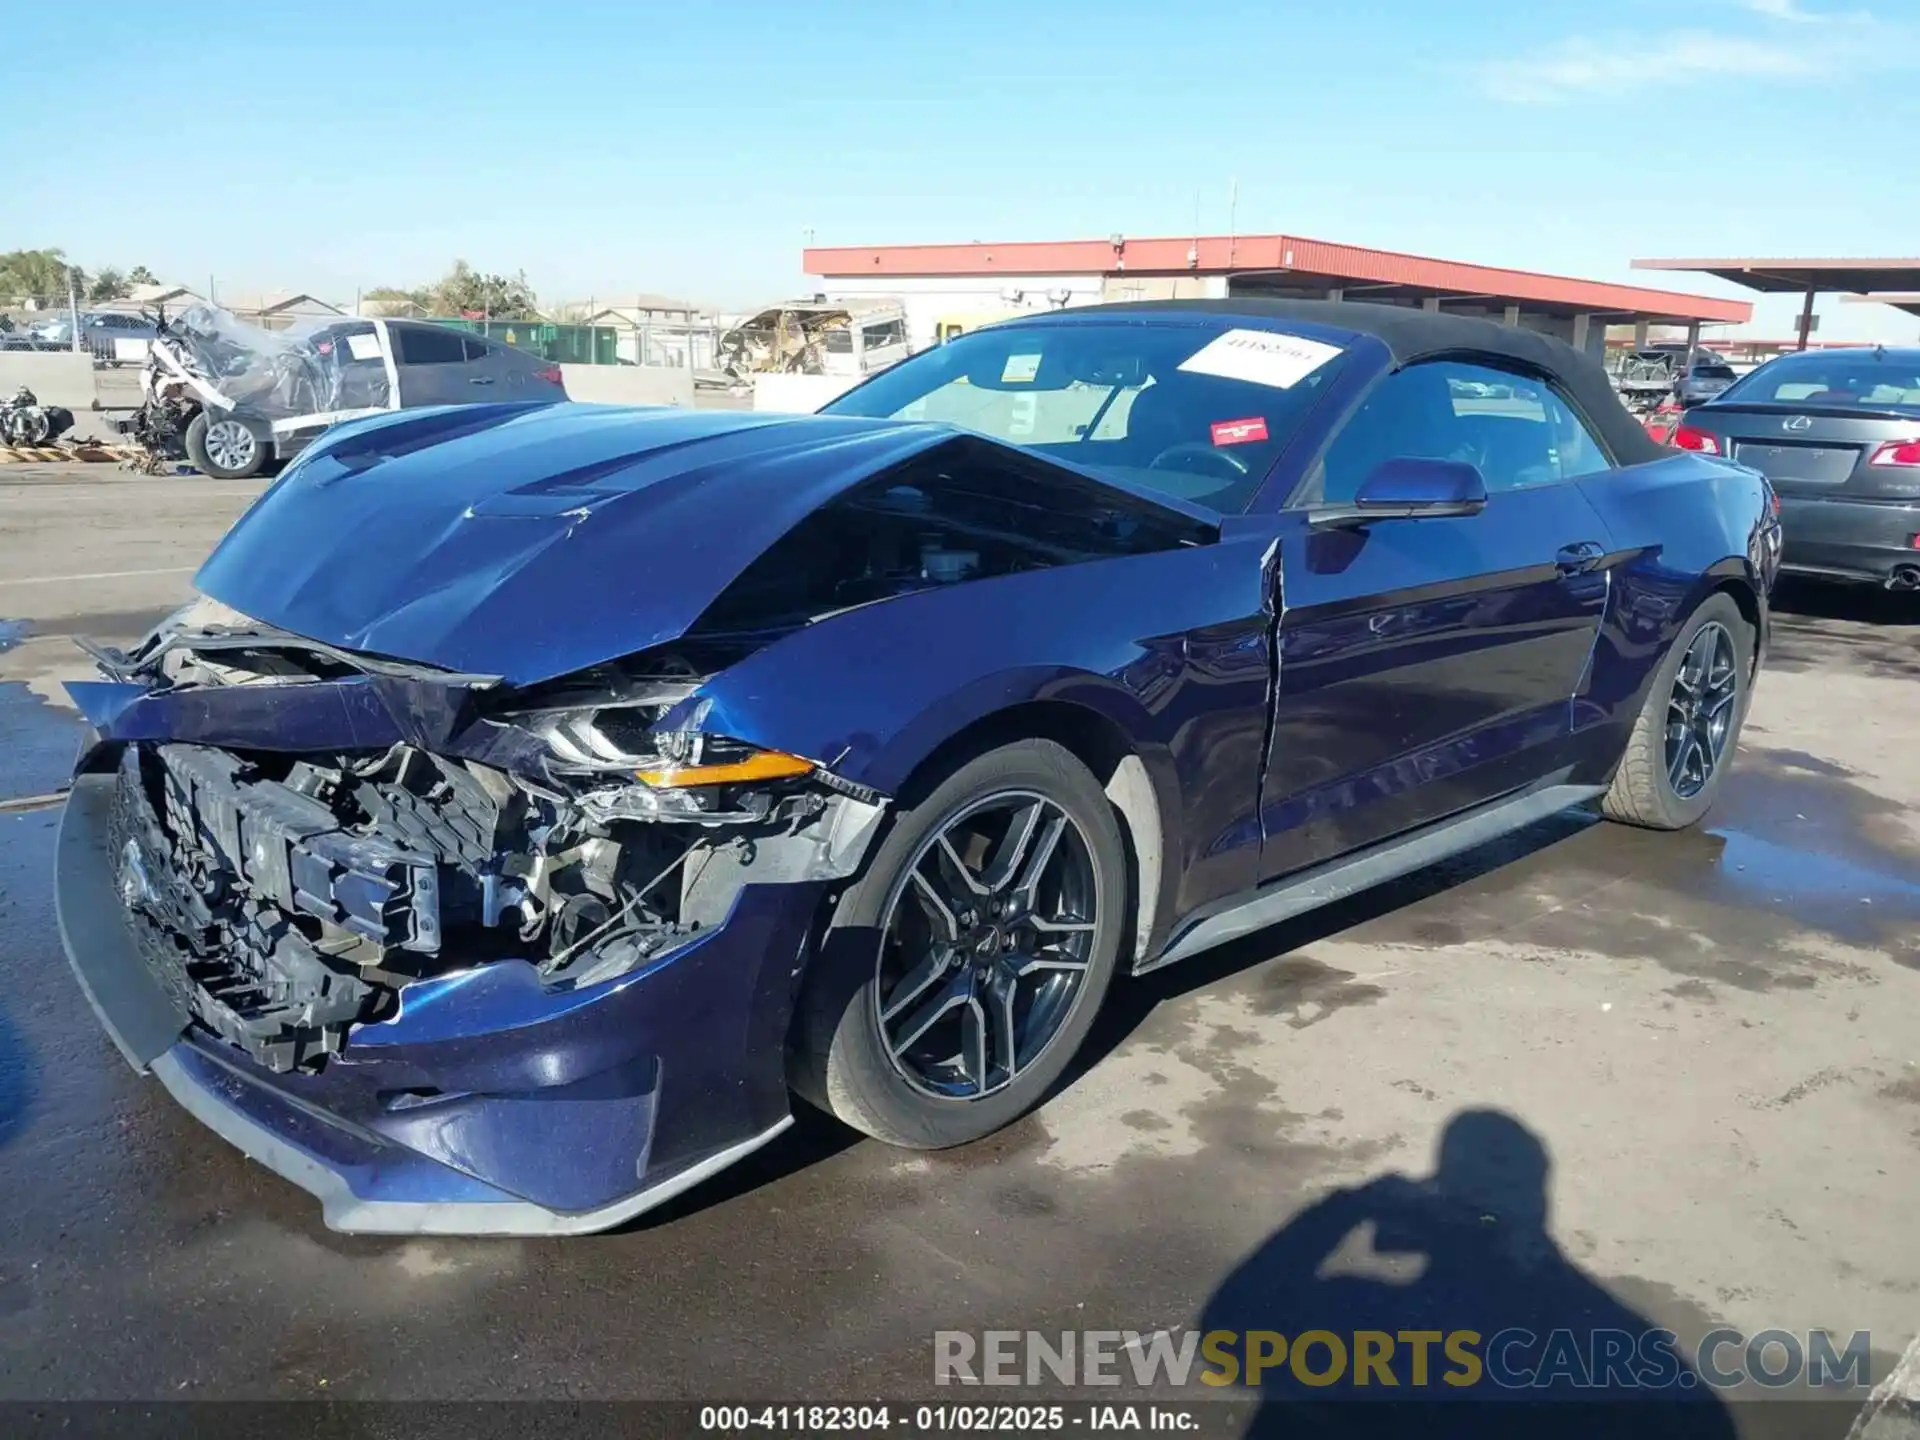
(1709, 1033)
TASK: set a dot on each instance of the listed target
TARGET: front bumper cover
(489, 1105)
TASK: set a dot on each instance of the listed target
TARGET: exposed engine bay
(287, 898)
(951, 516)
(287, 892)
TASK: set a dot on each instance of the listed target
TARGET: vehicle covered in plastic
(538, 799)
(237, 399)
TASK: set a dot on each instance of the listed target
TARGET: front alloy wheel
(230, 445)
(224, 447)
(985, 945)
(961, 971)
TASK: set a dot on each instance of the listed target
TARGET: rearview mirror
(1409, 488)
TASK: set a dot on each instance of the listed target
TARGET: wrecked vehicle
(815, 338)
(538, 798)
(25, 421)
(238, 400)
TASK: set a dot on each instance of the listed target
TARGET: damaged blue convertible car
(537, 799)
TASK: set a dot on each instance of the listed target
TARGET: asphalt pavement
(1704, 1042)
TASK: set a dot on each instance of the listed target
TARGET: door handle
(1579, 557)
(480, 380)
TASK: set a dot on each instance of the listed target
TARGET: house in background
(284, 309)
(659, 330)
(171, 298)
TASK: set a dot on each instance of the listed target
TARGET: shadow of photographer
(1465, 1249)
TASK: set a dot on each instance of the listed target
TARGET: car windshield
(1198, 410)
(1866, 380)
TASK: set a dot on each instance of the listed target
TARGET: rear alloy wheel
(962, 970)
(224, 448)
(1683, 742)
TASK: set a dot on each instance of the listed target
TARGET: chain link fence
(112, 336)
(116, 334)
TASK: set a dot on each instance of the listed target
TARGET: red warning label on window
(1239, 432)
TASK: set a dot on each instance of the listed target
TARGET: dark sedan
(540, 797)
(1837, 432)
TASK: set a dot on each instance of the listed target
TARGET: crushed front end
(454, 959)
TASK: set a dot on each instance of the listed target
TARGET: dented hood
(532, 541)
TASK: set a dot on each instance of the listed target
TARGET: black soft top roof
(1411, 335)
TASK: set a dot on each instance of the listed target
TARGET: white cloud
(1581, 67)
(1781, 10)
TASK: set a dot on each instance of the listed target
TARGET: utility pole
(1233, 217)
(73, 310)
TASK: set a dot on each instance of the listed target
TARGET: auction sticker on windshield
(1019, 369)
(1262, 357)
(1239, 432)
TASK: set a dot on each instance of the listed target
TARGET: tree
(141, 275)
(38, 275)
(109, 284)
(466, 291)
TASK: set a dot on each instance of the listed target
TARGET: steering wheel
(1216, 462)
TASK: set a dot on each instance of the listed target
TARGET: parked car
(1701, 380)
(1837, 432)
(235, 399)
(20, 336)
(99, 330)
(538, 798)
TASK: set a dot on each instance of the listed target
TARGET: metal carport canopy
(1287, 264)
(1908, 301)
(1807, 277)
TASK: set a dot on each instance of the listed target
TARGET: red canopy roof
(1378, 273)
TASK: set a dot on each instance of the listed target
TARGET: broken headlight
(618, 740)
(638, 773)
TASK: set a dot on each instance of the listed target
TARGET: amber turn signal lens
(761, 765)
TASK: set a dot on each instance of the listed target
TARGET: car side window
(428, 345)
(474, 348)
(1516, 430)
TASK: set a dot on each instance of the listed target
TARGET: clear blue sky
(688, 148)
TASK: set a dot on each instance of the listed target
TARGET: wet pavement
(1705, 1039)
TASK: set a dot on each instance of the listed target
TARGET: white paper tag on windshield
(364, 347)
(1020, 369)
(1261, 357)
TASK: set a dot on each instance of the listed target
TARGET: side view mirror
(1408, 488)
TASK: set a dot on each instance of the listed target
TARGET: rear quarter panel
(1679, 528)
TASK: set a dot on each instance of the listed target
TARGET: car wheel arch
(1729, 577)
(1748, 599)
(1139, 784)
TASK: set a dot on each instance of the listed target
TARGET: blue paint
(1290, 692)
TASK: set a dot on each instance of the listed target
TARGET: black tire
(196, 446)
(1644, 791)
(841, 1062)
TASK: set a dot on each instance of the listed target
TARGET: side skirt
(1350, 874)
